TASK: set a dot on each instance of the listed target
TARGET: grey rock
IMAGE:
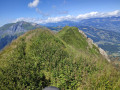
(82, 33)
(104, 54)
(90, 42)
(51, 88)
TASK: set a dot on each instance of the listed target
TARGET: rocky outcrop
(104, 54)
(82, 33)
(91, 43)
(16, 28)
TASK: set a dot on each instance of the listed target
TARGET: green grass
(40, 58)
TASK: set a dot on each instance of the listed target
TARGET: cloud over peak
(70, 17)
(34, 3)
(98, 14)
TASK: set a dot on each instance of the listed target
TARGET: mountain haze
(107, 23)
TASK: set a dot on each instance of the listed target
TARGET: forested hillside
(41, 58)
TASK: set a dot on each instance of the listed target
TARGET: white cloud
(70, 18)
(98, 14)
(35, 20)
(114, 13)
(87, 15)
(34, 3)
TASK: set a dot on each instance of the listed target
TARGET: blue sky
(12, 10)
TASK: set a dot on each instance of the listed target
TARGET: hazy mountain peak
(10, 31)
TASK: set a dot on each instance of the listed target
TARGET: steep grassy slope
(41, 58)
(107, 40)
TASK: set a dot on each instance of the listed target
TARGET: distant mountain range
(107, 23)
(11, 31)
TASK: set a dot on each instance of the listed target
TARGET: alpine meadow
(41, 58)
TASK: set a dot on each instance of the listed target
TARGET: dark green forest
(41, 58)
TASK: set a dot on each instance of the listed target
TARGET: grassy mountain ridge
(41, 58)
(107, 40)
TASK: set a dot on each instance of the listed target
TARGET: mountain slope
(40, 58)
(11, 31)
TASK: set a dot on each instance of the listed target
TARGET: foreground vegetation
(40, 58)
